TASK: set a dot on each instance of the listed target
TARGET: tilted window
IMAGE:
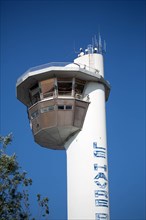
(34, 93)
(47, 88)
(64, 87)
(79, 88)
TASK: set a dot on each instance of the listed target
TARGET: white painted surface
(91, 62)
(81, 182)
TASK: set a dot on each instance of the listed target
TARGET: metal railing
(57, 64)
(46, 95)
(43, 66)
(86, 67)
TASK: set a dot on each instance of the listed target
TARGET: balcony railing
(43, 66)
(57, 64)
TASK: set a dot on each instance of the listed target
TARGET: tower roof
(54, 70)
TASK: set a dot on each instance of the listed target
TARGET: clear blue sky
(39, 32)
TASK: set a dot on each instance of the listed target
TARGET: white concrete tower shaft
(87, 168)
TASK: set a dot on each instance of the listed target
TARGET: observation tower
(66, 110)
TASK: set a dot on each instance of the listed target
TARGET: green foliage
(14, 197)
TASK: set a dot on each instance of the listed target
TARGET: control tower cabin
(66, 110)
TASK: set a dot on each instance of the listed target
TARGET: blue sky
(39, 32)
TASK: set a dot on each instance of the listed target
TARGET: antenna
(100, 43)
(75, 49)
(104, 46)
(96, 43)
(93, 41)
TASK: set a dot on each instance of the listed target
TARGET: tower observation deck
(66, 109)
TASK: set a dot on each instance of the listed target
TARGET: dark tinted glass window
(61, 107)
(68, 107)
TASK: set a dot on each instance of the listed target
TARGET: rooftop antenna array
(98, 46)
